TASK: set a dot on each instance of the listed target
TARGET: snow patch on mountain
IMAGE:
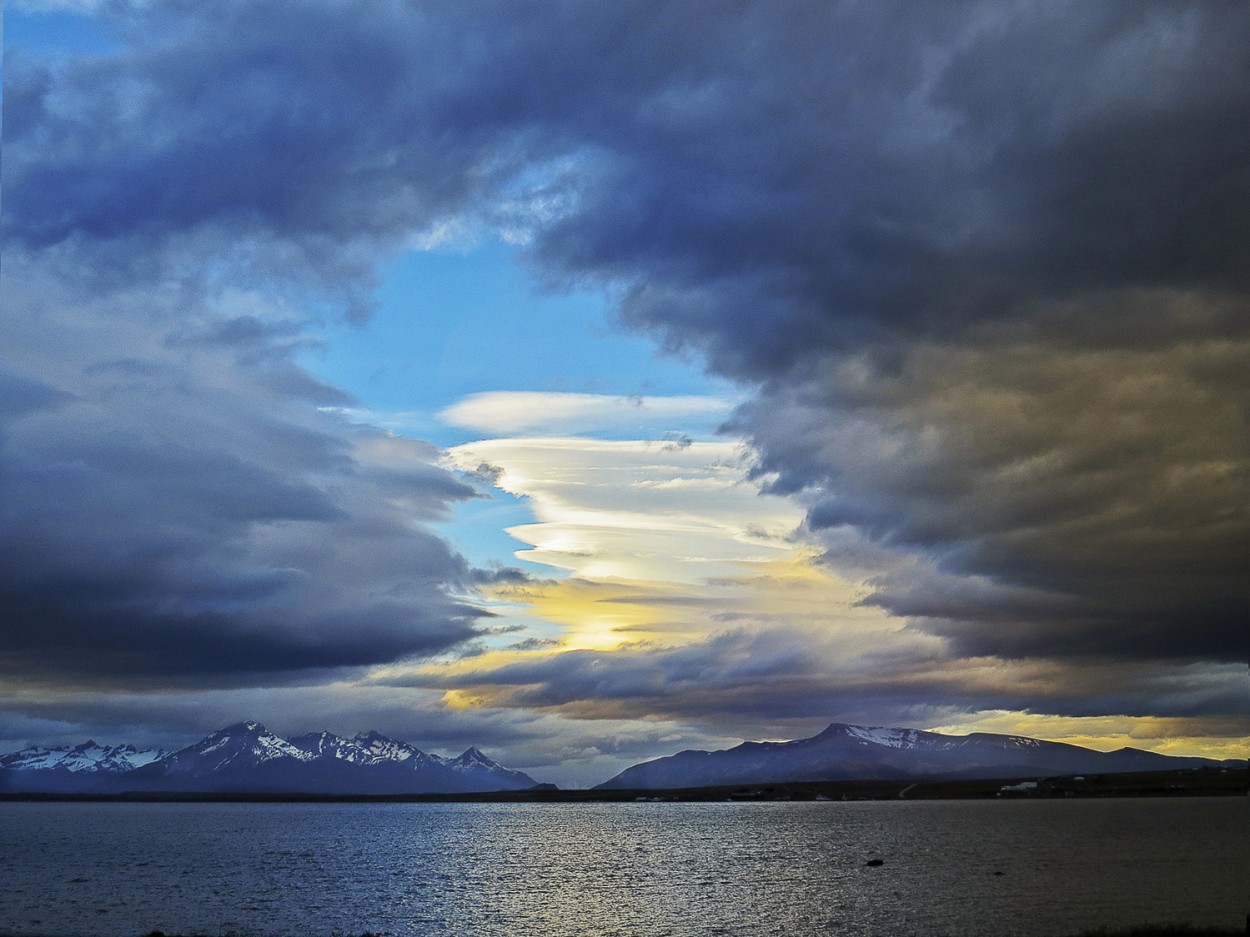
(368, 748)
(891, 738)
(247, 743)
(85, 758)
(248, 757)
(380, 748)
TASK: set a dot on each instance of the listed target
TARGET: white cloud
(637, 509)
(544, 413)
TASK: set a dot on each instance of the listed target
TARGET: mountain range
(248, 758)
(846, 752)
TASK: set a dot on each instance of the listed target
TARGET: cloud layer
(986, 268)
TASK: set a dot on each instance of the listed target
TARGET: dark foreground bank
(1203, 782)
(1148, 930)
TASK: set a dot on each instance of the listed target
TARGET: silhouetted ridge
(844, 752)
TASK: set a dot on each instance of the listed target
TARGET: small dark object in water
(998, 871)
(875, 862)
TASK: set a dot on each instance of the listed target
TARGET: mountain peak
(250, 727)
(834, 728)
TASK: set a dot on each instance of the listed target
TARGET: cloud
(989, 273)
(182, 506)
(635, 509)
(780, 682)
(984, 269)
(510, 413)
(179, 512)
(1069, 503)
(993, 304)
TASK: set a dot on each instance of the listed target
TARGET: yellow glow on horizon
(793, 591)
(1192, 737)
(595, 615)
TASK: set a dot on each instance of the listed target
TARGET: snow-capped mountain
(846, 752)
(247, 757)
(239, 746)
(475, 767)
(85, 758)
(70, 768)
(368, 748)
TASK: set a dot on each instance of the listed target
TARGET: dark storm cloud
(990, 266)
(785, 677)
(174, 518)
(179, 509)
(987, 264)
(175, 510)
(1068, 503)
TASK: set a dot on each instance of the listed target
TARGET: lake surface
(106, 870)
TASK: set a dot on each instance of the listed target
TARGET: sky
(587, 382)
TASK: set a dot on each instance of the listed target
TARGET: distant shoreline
(1146, 930)
(1182, 783)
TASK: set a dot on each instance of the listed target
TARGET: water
(497, 870)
